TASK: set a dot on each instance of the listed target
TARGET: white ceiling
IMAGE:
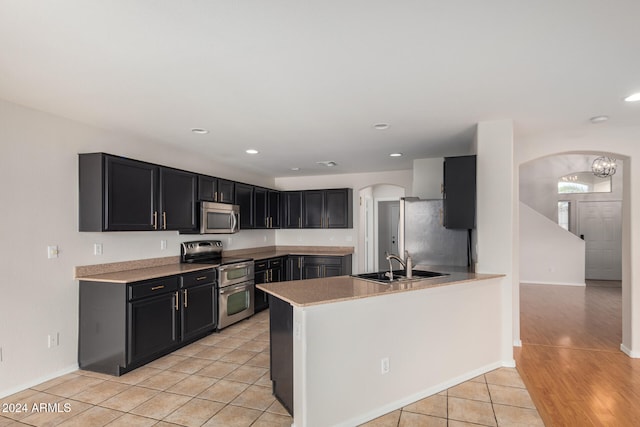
(305, 80)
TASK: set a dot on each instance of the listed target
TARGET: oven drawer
(198, 278)
(153, 287)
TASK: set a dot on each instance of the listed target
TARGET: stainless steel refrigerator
(422, 234)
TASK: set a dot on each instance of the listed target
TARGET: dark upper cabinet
(211, 189)
(118, 194)
(459, 192)
(291, 202)
(327, 208)
(266, 208)
(244, 199)
(177, 207)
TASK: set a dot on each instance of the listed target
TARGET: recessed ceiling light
(598, 119)
(395, 155)
(633, 97)
(200, 131)
(251, 151)
(381, 126)
(295, 169)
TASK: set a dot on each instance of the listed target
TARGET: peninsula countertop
(303, 293)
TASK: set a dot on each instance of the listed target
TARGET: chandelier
(604, 167)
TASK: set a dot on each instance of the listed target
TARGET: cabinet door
(274, 209)
(260, 207)
(459, 194)
(338, 209)
(244, 199)
(292, 209)
(312, 268)
(177, 200)
(207, 188)
(226, 191)
(294, 267)
(313, 209)
(198, 310)
(152, 326)
(130, 188)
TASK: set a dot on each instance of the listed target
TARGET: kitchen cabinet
(119, 194)
(327, 208)
(244, 199)
(211, 189)
(302, 267)
(266, 208)
(281, 351)
(124, 326)
(291, 202)
(267, 271)
(459, 192)
(198, 304)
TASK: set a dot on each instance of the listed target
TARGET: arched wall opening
(619, 149)
(371, 198)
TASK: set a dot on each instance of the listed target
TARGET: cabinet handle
(266, 222)
(215, 196)
(185, 298)
(270, 275)
(155, 220)
(177, 306)
(299, 262)
(222, 197)
(299, 222)
(327, 221)
(164, 220)
(155, 288)
(201, 278)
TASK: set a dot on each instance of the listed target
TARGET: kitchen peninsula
(346, 350)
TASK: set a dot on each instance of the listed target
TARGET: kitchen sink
(398, 276)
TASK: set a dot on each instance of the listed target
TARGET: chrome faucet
(406, 263)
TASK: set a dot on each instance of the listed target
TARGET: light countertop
(139, 274)
(303, 293)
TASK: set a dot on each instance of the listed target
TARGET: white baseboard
(36, 381)
(528, 282)
(626, 350)
(361, 419)
(517, 343)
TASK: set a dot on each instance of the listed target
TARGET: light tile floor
(223, 380)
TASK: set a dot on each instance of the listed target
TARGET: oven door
(237, 272)
(236, 302)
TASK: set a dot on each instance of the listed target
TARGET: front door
(600, 225)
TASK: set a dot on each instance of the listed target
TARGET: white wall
(497, 251)
(428, 175)
(434, 339)
(619, 144)
(39, 188)
(549, 254)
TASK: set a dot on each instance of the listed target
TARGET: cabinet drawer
(276, 262)
(260, 265)
(153, 287)
(198, 278)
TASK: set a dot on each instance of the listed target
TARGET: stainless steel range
(236, 286)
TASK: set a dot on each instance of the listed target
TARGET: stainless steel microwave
(219, 218)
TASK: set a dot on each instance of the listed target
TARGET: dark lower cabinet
(281, 351)
(267, 271)
(124, 326)
(153, 326)
(301, 267)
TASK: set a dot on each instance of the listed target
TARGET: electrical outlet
(384, 365)
(163, 245)
(52, 252)
(97, 248)
(49, 341)
(53, 340)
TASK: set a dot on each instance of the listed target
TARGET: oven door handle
(241, 286)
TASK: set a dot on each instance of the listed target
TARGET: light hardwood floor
(571, 361)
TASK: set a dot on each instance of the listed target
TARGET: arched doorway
(377, 222)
